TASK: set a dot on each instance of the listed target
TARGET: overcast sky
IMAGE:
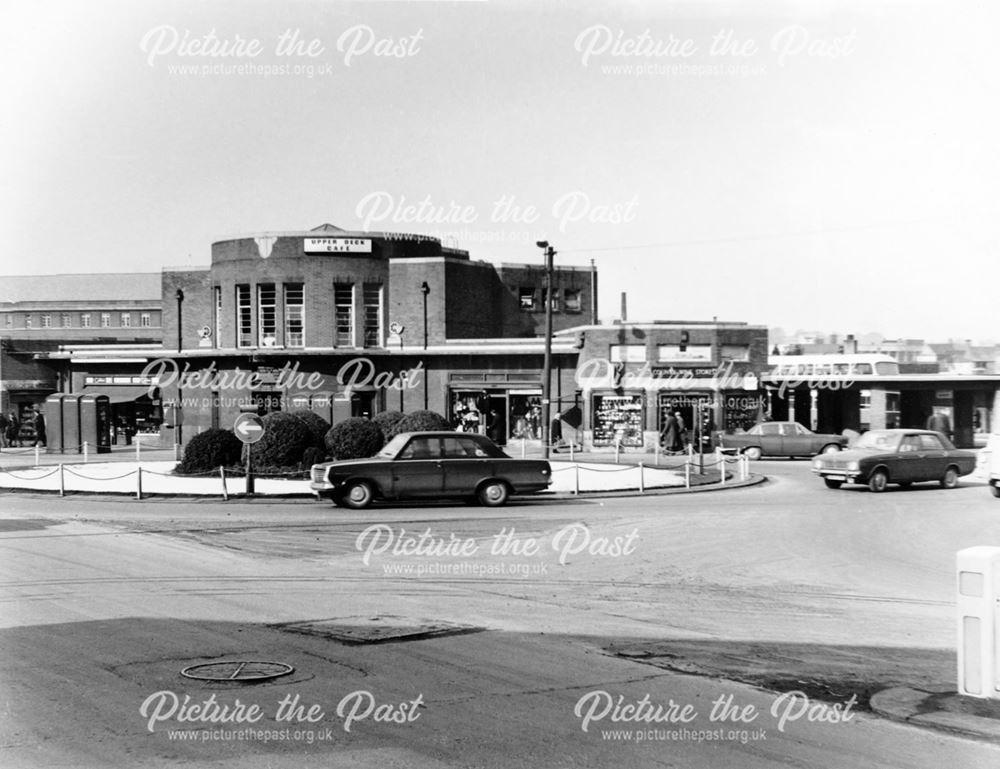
(827, 166)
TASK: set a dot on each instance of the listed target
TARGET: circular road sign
(249, 428)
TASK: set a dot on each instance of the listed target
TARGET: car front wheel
(950, 479)
(493, 494)
(878, 481)
(753, 452)
(357, 495)
(832, 483)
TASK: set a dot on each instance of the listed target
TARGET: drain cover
(375, 630)
(249, 671)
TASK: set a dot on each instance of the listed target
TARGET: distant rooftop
(108, 286)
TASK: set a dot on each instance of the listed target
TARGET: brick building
(346, 324)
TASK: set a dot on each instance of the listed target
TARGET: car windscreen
(877, 439)
(391, 449)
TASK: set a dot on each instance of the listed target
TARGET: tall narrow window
(267, 315)
(85, 320)
(105, 320)
(244, 317)
(343, 305)
(145, 320)
(27, 321)
(126, 319)
(294, 315)
(218, 317)
(64, 320)
(46, 320)
(373, 314)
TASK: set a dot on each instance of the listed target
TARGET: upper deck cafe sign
(338, 246)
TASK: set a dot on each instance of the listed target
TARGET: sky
(808, 165)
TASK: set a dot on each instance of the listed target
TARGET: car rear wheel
(357, 495)
(493, 494)
(995, 489)
(878, 481)
(830, 448)
(950, 479)
(753, 452)
(832, 483)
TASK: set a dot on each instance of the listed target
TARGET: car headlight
(817, 464)
(852, 465)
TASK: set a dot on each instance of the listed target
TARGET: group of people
(10, 429)
(674, 435)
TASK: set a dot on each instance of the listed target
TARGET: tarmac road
(105, 600)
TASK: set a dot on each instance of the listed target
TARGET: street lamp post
(178, 436)
(425, 290)
(547, 362)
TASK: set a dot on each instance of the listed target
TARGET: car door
(417, 469)
(464, 464)
(908, 465)
(770, 439)
(935, 457)
(796, 441)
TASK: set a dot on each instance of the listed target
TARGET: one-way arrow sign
(248, 428)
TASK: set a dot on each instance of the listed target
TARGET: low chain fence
(156, 478)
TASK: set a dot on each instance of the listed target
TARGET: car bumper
(847, 476)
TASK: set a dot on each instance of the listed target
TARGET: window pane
(343, 303)
(267, 315)
(373, 315)
(294, 315)
(573, 303)
(244, 317)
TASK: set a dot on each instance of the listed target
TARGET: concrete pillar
(877, 419)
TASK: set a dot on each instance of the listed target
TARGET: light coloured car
(781, 439)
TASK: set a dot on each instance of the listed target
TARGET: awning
(122, 393)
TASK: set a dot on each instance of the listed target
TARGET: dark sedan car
(881, 457)
(433, 465)
(781, 439)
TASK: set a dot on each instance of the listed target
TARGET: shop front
(136, 408)
(503, 412)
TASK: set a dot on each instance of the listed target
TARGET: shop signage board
(249, 428)
(338, 246)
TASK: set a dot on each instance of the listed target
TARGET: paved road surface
(104, 601)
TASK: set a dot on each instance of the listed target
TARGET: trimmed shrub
(387, 421)
(312, 456)
(354, 438)
(316, 424)
(285, 440)
(210, 449)
(421, 420)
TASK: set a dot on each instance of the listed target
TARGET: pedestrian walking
(39, 423)
(671, 434)
(13, 430)
(4, 426)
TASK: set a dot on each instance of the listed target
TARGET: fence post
(176, 451)
(225, 491)
(38, 459)
(522, 447)
(687, 475)
(656, 452)
(576, 479)
(138, 482)
(720, 459)
(62, 482)
(138, 455)
(618, 449)
(571, 447)
(85, 452)
(642, 482)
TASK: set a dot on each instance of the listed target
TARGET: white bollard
(225, 491)
(38, 458)
(720, 460)
(576, 479)
(138, 455)
(571, 451)
(523, 452)
(978, 576)
(138, 483)
(642, 481)
(687, 475)
(62, 482)
(85, 447)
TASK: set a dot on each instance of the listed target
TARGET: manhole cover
(249, 671)
(376, 630)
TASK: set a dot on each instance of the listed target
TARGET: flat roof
(94, 287)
